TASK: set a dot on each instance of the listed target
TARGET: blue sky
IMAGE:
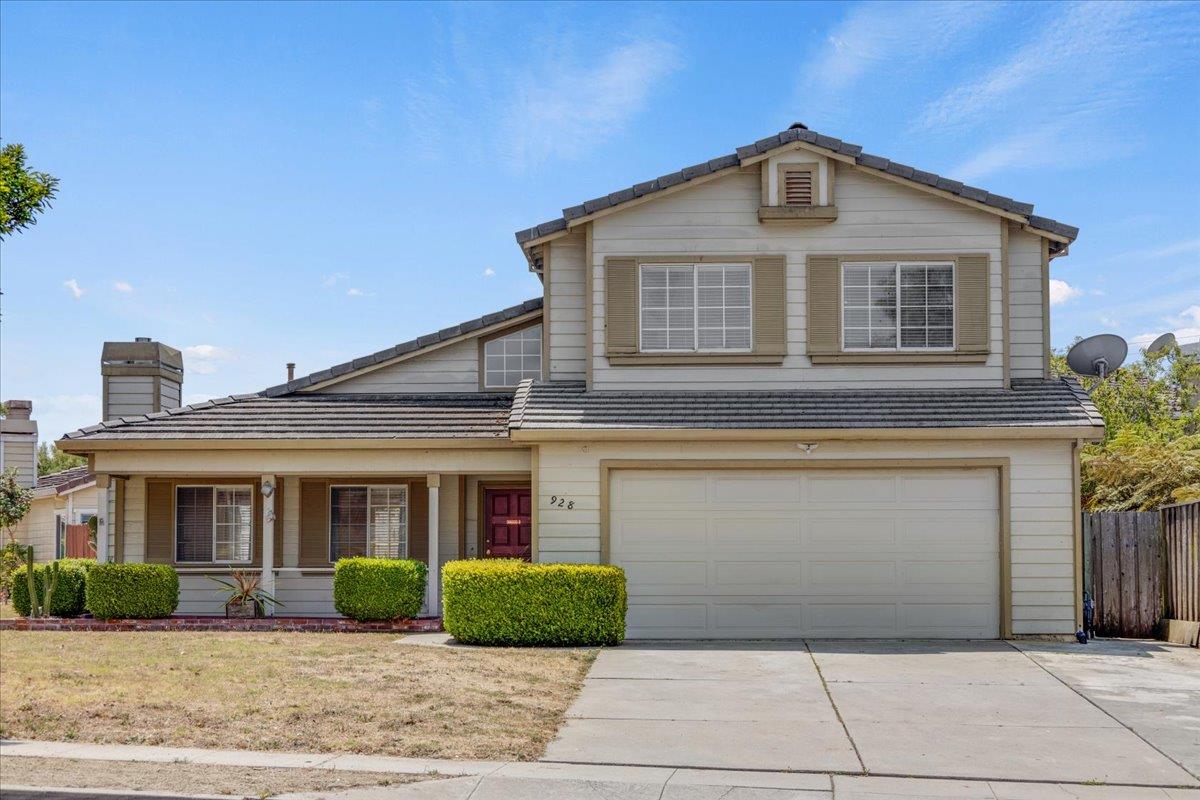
(259, 184)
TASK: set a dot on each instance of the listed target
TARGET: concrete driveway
(980, 710)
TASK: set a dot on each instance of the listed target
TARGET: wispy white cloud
(331, 280)
(564, 106)
(1063, 97)
(205, 359)
(1180, 248)
(57, 414)
(74, 288)
(1061, 292)
(1185, 325)
(354, 291)
(123, 286)
(489, 272)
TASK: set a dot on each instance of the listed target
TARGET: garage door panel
(843, 531)
(755, 530)
(809, 553)
(850, 486)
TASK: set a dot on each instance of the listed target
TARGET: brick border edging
(198, 623)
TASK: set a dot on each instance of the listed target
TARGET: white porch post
(103, 488)
(269, 487)
(434, 577)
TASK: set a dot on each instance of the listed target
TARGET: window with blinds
(695, 308)
(214, 524)
(798, 187)
(368, 521)
(898, 306)
(508, 360)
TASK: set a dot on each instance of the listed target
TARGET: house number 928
(561, 502)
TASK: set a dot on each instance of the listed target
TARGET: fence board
(79, 542)
(1181, 528)
(1126, 571)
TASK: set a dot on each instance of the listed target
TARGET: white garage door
(819, 553)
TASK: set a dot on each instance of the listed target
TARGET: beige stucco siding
(1026, 306)
(720, 217)
(453, 368)
(1041, 519)
(567, 325)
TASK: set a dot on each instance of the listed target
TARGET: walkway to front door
(508, 522)
(982, 710)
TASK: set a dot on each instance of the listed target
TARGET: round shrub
(69, 595)
(512, 602)
(132, 591)
(366, 589)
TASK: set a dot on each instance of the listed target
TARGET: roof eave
(990, 433)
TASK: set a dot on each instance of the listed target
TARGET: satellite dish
(1098, 355)
(1162, 343)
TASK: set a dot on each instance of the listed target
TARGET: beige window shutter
(621, 306)
(971, 309)
(160, 522)
(314, 523)
(769, 275)
(824, 305)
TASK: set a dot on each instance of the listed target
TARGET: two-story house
(797, 390)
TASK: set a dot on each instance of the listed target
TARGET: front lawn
(317, 692)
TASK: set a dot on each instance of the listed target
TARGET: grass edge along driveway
(315, 692)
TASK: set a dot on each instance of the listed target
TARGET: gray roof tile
(741, 154)
(1030, 403)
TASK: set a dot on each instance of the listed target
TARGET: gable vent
(798, 188)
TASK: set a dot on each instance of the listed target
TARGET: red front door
(508, 523)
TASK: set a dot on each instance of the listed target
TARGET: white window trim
(695, 305)
(213, 532)
(369, 487)
(896, 266)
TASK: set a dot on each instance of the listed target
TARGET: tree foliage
(1150, 455)
(15, 500)
(51, 459)
(24, 193)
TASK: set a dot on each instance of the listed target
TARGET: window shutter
(418, 521)
(314, 523)
(824, 305)
(620, 306)
(278, 498)
(160, 522)
(972, 313)
(256, 525)
(769, 275)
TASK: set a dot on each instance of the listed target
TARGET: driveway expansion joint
(837, 712)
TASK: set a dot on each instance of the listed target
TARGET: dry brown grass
(143, 776)
(321, 692)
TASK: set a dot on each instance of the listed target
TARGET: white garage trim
(1002, 466)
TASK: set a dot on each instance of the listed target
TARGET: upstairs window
(368, 521)
(898, 306)
(214, 524)
(510, 359)
(694, 308)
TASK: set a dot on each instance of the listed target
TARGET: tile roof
(317, 416)
(412, 345)
(1030, 403)
(797, 133)
(65, 480)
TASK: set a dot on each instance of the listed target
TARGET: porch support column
(269, 487)
(103, 524)
(434, 578)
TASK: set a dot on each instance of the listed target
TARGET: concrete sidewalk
(491, 780)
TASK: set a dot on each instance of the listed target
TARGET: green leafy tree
(1150, 455)
(51, 459)
(15, 500)
(24, 193)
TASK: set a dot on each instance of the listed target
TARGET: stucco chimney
(140, 377)
(18, 441)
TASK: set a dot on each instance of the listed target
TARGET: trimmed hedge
(512, 602)
(367, 589)
(69, 594)
(132, 591)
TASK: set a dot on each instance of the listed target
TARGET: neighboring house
(797, 390)
(59, 499)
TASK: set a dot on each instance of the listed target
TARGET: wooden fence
(1141, 567)
(1181, 529)
(79, 542)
